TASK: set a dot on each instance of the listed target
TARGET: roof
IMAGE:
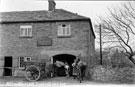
(57, 14)
(40, 16)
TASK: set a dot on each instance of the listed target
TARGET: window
(23, 59)
(26, 31)
(64, 30)
(27, 59)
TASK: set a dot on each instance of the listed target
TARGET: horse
(80, 65)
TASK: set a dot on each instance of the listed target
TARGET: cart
(35, 70)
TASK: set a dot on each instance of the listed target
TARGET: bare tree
(118, 29)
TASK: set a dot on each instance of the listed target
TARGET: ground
(55, 82)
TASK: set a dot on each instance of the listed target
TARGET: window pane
(29, 32)
(21, 60)
(68, 33)
(64, 31)
(60, 31)
(25, 31)
(68, 30)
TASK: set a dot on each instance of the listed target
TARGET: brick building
(53, 35)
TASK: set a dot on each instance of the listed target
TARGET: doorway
(8, 66)
(64, 58)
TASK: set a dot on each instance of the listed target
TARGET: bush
(109, 74)
(125, 75)
(98, 73)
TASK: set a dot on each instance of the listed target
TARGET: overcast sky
(87, 8)
(91, 9)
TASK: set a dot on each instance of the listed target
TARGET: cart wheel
(32, 73)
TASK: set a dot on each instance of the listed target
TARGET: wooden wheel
(32, 73)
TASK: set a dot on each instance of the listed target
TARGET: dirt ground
(62, 80)
(54, 82)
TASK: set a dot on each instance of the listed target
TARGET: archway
(64, 58)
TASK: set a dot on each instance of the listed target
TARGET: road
(55, 82)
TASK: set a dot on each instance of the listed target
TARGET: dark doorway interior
(8, 66)
(64, 58)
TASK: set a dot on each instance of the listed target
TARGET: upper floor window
(26, 31)
(64, 30)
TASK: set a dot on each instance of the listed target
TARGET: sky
(92, 9)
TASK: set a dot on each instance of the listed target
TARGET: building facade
(50, 35)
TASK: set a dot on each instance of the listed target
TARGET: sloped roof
(57, 14)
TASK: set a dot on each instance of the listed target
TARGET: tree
(118, 29)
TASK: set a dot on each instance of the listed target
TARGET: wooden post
(100, 45)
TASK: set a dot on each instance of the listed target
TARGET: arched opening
(64, 58)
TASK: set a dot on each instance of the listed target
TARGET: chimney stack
(51, 5)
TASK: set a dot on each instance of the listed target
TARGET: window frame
(64, 30)
(26, 31)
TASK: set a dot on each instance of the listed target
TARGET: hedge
(109, 74)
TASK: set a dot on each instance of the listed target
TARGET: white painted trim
(25, 28)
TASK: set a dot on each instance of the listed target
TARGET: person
(67, 69)
(51, 70)
(74, 69)
(81, 65)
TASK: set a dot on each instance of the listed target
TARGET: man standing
(74, 69)
(67, 69)
(82, 66)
